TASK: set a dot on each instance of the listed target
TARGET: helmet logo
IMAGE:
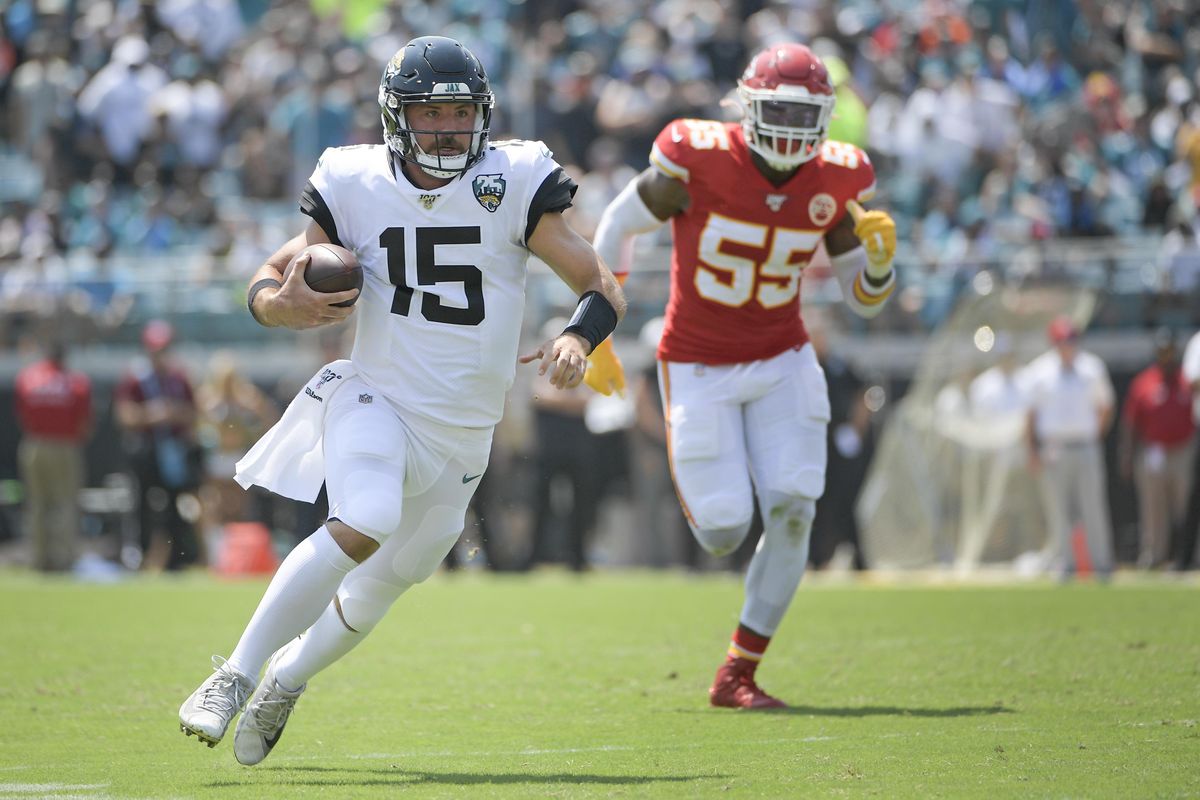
(822, 208)
(489, 190)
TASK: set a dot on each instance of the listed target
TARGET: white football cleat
(260, 727)
(210, 709)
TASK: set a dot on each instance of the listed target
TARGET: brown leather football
(332, 269)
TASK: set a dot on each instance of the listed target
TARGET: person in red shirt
(54, 411)
(156, 411)
(1156, 448)
(745, 400)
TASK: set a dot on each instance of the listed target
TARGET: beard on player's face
(444, 144)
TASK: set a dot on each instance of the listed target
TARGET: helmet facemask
(785, 125)
(401, 137)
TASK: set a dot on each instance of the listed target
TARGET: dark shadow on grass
(896, 711)
(350, 776)
(873, 711)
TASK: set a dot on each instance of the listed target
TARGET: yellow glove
(877, 231)
(604, 372)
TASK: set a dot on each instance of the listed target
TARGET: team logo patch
(366, 399)
(776, 201)
(428, 200)
(325, 377)
(489, 190)
(822, 208)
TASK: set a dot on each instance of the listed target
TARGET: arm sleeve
(864, 299)
(625, 217)
(554, 194)
(314, 205)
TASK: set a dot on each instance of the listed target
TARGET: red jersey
(53, 402)
(741, 245)
(1159, 408)
(143, 384)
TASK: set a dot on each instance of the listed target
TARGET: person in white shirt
(117, 99)
(1071, 407)
(1185, 550)
(998, 409)
(442, 222)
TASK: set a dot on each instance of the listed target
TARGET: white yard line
(50, 789)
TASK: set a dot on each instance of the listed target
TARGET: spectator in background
(1185, 551)
(1179, 257)
(564, 497)
(233, 414)
(54, 411)
(1071, 406)
(998, 406)
(156, 411)
(835, 526)
(665, 527)
(117, 101)
(1156, 449)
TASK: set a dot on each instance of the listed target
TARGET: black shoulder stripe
(312, 204)
(554, 194)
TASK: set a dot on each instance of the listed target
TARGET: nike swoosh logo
(469, 478)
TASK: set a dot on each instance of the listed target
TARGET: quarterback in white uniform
(442, 222)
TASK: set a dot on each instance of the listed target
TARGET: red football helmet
(787, 99)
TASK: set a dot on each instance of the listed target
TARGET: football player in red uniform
(745, 399)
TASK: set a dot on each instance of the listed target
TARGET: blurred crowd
(155, 128)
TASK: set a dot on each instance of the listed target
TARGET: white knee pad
(365, 599)
(425, 550)
(790, 516)
(721, 541)
(371, 501)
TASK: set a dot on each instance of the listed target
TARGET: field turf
(550, 686)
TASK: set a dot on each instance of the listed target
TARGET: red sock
(748, 645)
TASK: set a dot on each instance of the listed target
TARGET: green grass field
(548, 686)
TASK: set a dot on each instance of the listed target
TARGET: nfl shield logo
(489, 190)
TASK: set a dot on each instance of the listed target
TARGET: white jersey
(439, 318)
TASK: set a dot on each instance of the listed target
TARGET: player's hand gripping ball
(877, 232)
(332, 269)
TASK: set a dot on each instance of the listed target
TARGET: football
(332, 269)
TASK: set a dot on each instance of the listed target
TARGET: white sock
(330, 638)
(321, 645)
(303, 585)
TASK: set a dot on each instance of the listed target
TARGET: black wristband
(255, 289)
(594, 319)
(877, 283)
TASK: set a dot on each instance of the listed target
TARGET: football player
(442, 221)
(744, 398)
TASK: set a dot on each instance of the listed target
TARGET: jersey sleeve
(673, 153)
(319, 197)
(547, 186)
(554, 194)
(851, 173)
